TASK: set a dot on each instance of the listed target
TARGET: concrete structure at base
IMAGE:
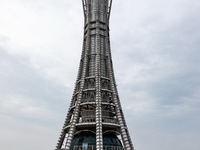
(95, 120)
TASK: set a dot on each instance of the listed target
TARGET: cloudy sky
(156, 55)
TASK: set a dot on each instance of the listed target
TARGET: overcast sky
(156, 54)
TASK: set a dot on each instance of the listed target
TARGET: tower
(95, 120)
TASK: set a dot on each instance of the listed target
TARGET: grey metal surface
(95, 104)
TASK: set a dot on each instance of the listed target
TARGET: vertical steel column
(77, 107)
(123, 127)
(67, 119)
(99, 135)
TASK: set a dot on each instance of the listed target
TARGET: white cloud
(26, 107)
(37, 31)
(20, 134)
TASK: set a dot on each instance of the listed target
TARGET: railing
(88, 100)
(93, 147)
(113, 148)
(109, 120)
(88, 119)
(88, 113)
(93, 119)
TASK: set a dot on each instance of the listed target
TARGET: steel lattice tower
(95, 120)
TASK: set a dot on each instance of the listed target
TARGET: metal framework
(95, 106)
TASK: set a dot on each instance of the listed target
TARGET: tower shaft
(95, 114)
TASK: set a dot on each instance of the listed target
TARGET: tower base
(87, 141)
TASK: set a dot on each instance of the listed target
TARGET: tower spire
(95, 119)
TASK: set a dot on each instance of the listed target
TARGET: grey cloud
(23, 118)
(155, 50)
(161, 75)
(19, 79)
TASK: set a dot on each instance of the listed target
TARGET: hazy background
(156, 54)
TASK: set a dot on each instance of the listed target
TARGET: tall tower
(95, 120)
